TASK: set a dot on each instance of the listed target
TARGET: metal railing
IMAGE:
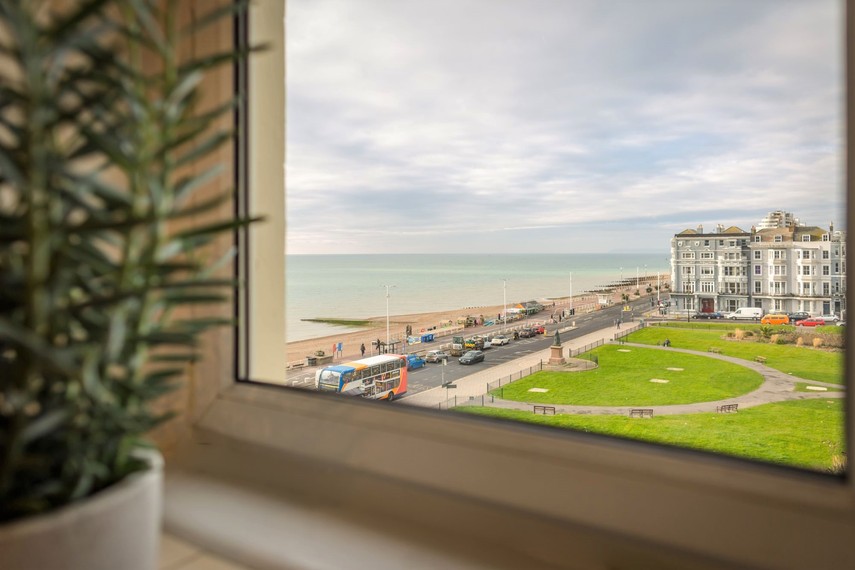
(505, 380)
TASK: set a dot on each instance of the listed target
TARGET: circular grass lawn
(632, 376)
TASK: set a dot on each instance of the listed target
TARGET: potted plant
(102, 261)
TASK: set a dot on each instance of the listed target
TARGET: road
(433, 374)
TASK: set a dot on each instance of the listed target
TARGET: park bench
(727, 408)
(760, 359)
(714, 349)
(544, 409)
(641, 413)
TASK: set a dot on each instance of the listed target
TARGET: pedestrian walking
(362, 349)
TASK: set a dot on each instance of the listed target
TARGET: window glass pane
(567, 192)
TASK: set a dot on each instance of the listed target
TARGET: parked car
(538, 329)
(712, 315)
(811, 322)
(500, 340)
(775, 319)
(414, 361)
(798, 316)
(436, 356)
(526, 333)
(829, 318)
(471, 357)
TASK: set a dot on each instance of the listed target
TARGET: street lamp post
(388, 337)
(504, 304)
(571, 294)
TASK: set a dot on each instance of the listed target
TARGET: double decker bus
(382, 377)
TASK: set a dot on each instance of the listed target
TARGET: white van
(746, 313)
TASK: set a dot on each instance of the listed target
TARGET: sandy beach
(351, 341)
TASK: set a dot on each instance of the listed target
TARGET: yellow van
(775, 319)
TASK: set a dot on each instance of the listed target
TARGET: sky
(557, 126)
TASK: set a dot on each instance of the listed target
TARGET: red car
(812, 322)
(538, 329)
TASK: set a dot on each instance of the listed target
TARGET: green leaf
(43, 425)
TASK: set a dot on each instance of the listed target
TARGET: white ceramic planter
(118, 528)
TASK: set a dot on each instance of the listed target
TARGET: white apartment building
(785, 268)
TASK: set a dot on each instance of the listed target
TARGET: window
(707, 287)
(707, 242)
(824, 237)
(688, 270)
(706, 270)
(779, 238)
(826, 288)
(706, 255)
(806, 237)
(776, 303)
(758, 270)
(825, 270)
(825, 254)
(732, 243)
(806, 288)
(779, 287)
(688, 255)
(758, 254)
(779, 254)
(806, 270)
(720, 242)
(693, 481)
(758, 287)
(689, 287)
(757, 239)
(779, 270)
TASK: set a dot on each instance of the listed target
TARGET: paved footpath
(777, 386)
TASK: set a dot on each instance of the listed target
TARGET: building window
(758, 254)
(777, 304)
(756, 239)
(721, 242)
(758, 270)
(836, 268)
(826, 288)
(707, 287)
(758, 287)
(779, 238)
(706, 255)
(732, 243)
(806, 289)
(707, 270)
(825, 270)
(706, 242)
(806, 270)
(806, 237)
(779, 254)
(824, 237)
(689, 255)
(688, 270)
(779, 270)
(688, 287)
(825, 254)
(779, 287)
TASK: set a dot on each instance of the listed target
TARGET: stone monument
(556, 356)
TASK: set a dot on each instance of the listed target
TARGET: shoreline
(583, 303)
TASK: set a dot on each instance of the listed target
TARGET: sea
(354, 286)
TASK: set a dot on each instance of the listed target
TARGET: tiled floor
(177, 554)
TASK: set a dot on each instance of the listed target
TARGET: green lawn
(806, 433)
(802, 361)
(624, 379)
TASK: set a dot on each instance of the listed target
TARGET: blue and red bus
(382, 377)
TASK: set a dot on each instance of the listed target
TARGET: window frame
(709, 505)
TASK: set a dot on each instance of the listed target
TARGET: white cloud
(508, 121)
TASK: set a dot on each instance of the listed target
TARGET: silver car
(436, 356)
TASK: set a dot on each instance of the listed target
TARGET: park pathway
(777, 387)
